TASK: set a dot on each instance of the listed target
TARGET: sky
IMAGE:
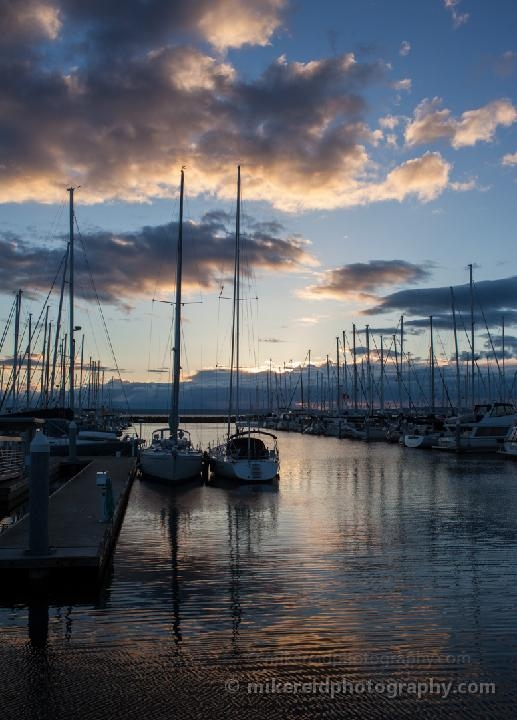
(378, 150)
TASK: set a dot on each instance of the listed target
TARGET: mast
(29, 363)
(472, 359)
(309, 384)
(81, 374)
(503, 351)
(431, 360)
(369, 373)
(16, 343)
(338, 395)
(328, 386)
(71, 368)
(458, 385)
(382, 375)
(345, 381)
(174, 412)
(354, 354)
(402, 360)
(47, 369)
(43, 362)
(58, 325)
(234, 366)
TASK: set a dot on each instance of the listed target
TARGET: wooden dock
(81, 543)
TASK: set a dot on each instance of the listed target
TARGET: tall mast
(354, 354)
(71, 368)
(81, 374)
(174, 413)
(29, 362)
(328, 386)
(47, 369)
(43, 362)
(431, 360)
(16, 342)
(503, 351)
(369, 373)
(338, 394)
(402, 359)
(234, 366)
(58, 325)
(382, 375)
(472, 360)
(345, 381)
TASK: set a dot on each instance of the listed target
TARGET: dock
(81, 542)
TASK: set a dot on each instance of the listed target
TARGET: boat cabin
(247, 447)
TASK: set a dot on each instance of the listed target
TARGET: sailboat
(249, 454)
(171, 458)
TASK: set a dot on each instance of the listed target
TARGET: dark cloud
(504, 347)
(359, 279)
(493, 300)
(109, 28)
(128, 265)
(121, 125)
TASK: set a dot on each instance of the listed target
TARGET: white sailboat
(171, 458)
(249, 454)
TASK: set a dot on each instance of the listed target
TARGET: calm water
(367, 576)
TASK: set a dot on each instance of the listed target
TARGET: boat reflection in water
(369, 562)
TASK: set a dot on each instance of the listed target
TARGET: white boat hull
(421, 441)
(468, 444)
(171, 467)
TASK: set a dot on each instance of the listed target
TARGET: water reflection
(357, 552)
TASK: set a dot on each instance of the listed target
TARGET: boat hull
(171, 468)
(244, 470)
(421, 441)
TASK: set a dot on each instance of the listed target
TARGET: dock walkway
(79, 540)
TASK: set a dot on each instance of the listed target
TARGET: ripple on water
(368, 561)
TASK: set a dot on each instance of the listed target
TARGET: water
(388, 569)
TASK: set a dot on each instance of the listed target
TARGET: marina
(258, 360)
(365, 561)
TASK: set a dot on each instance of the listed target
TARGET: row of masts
(43, 379)
(386, 382)
(56, 361)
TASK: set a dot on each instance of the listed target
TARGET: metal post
(38, 495)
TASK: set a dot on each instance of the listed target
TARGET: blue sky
(378, 145)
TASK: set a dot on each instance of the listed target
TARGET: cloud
(28, 21)
(509, 159)
(360, 280)
(405, 48)
(458, 18)
(494, 299)
(404, 84)
(108, 28)
(431, 123)
(132, 105)
(125, 266)
(426, 177)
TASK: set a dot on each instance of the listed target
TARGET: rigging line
(102, 314)
(476, 364)
(7, 324)
(488, 331)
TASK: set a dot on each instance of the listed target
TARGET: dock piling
(38, 495)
